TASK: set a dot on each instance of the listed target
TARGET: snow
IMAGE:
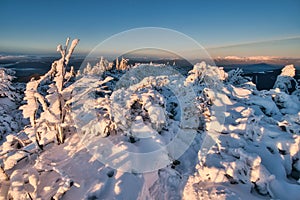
(10, 98)
(49, 122)
(147, 132)
(259, 58)
(100, 67)
(288, 70)
(285, 81)
(123, 64)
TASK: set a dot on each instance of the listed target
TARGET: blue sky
(38, 26)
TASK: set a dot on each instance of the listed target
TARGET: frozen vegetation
(11, 120)
(45, 126)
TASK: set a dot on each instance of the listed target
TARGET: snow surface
(246, 142)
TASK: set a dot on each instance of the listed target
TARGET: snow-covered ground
(146, 132)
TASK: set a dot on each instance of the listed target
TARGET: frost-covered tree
(100, 67)
(104, 64)
(285, 81)
(10, 118)
(6, 88)
(235, 77)
(206, 75)
(117, 113)
(286, 93)
(136, 101)
(123, 64)
(47, 112)
(117, 63)
(90, 113)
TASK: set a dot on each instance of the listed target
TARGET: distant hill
(251, 68)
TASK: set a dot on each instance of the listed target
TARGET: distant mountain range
(262, 69)
(276, 61)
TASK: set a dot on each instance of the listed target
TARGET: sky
(223, 28)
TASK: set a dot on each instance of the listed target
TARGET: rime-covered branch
(52, 115)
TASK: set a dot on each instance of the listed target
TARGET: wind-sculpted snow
(211, 134)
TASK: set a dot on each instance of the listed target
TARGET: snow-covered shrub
(122, 65)
(48, 115)
(232, 166)
(288, 104)
(290, 123)
(202, 77)
(286, 93)
(256, 154)
(235, 77)
(105, 64)
(125, 111)
(285, 81)
(253, 130)
(208, 83)
(91, 113)
(6, 88)
(10, 119)
(206, 75)
(265, 103)
(7, 123)
(137, 101)
(24, 183)
(288, 70)
(100, 67)
(252, 126)
(247, 169)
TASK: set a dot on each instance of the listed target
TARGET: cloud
(285, 47)
(12, 57)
